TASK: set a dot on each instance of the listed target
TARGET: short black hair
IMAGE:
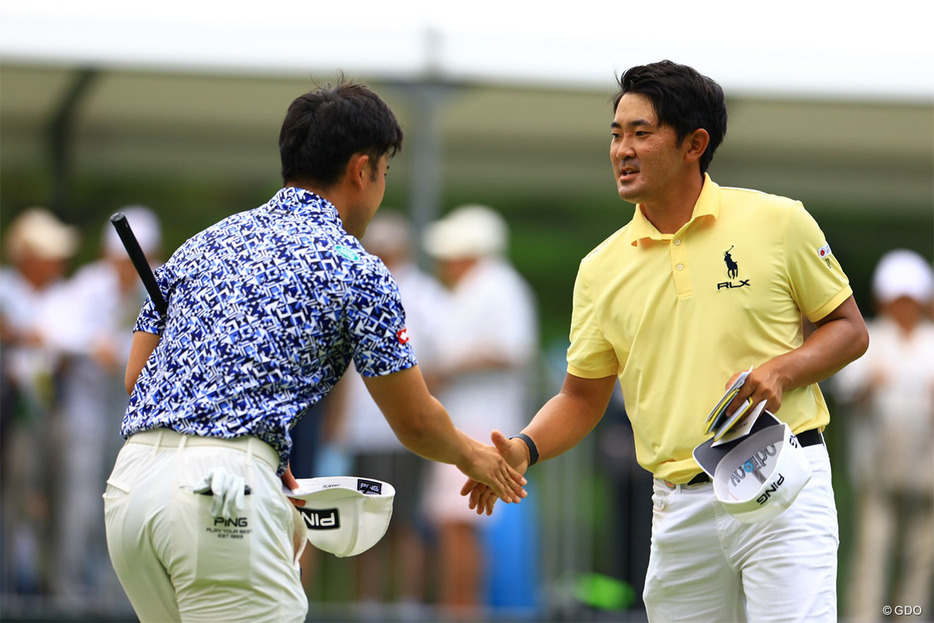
(683, 99)
(326, 126)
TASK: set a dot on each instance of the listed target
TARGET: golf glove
(228, 491)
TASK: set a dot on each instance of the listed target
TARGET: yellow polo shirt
(674, 316)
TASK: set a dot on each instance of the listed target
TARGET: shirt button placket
(679, 265)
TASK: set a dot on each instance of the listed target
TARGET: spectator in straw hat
(33, 314)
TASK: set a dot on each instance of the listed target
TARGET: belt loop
(249, 450)
(158, 444)
(182, 442)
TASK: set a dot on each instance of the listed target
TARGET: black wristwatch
(533, 449)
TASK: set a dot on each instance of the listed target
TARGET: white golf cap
(759, 475)
(903, 273)
(467, 232)
(344, 515)
(146, 229)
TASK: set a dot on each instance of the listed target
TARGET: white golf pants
(706, 566)
(175, 560)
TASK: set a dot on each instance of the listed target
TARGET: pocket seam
(118, 485)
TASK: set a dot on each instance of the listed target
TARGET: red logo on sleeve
(403, 336)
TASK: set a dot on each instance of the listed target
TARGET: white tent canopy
(819, 94)
(794, 48)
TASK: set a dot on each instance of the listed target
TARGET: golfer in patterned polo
(265, 311)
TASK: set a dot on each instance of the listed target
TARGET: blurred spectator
(890, 391)
(394, 569)
(486, 358)
(106, 296)
(34, 305)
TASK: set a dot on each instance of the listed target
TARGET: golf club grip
(122, 226)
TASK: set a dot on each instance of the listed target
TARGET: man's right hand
(423, 426)
(516, 454)
(492, 471)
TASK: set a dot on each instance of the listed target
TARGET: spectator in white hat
(396, 565)
(485, 358)
(106, 296)
(890, 392)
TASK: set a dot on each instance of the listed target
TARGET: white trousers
(175, 560)
(706, 566)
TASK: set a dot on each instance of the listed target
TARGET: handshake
(506, 481)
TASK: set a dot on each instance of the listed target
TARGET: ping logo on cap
(321, 518)
(369, 487)
(753, 465)
(762, 499)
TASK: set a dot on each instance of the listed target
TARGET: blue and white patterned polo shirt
(266, 310)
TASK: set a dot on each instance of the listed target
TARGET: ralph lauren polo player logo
(732, 273)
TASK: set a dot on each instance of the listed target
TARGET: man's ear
(357, 169)
(696, 144)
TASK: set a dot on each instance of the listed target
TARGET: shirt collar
(707, 205)
(294, 198)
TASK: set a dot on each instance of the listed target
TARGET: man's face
(646, 157)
